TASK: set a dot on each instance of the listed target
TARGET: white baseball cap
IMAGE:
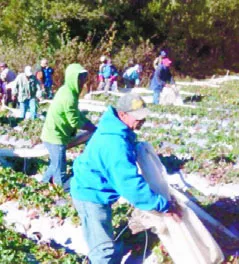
(28, 71)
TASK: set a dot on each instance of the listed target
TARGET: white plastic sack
(170, 96)
(188, 241)
(149, 164)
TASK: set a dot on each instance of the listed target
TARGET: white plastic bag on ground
(170, 96)
(187, 241)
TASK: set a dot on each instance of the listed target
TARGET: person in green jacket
(62, 121)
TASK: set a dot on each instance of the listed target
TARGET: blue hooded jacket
(107, 168)
(109, 71)
(132, 74)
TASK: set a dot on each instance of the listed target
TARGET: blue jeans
(28, 103)
(57, 166)
(156, 96)
(48, 91)
(98, 232)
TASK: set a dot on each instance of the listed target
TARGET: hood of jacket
(71, 77)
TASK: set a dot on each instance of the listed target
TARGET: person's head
(82, 78)
(131, 62)
(163, 54)
(3, 75)
(132, 110)
(28, 71)
(166, 62)
(138, 68)
(75, 77)
(103, 58)
(3, 66)
(44, 63)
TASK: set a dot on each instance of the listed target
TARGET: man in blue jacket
(107, 170)
(162, 76)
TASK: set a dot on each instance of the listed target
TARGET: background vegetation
(200, 36)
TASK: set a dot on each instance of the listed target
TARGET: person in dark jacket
(162, 55)
(9, 74)
(161, 77)
(107, 170)
(47, 78)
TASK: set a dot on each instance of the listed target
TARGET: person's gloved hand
(135, 223)
(175, 210)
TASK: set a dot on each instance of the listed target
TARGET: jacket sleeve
(129, 183)
(37, 84)
(74, 117)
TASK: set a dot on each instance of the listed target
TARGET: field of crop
(199, 139)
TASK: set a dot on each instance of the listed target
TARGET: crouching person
(107, 170)
(132, 76)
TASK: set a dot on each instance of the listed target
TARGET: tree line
(201, 36)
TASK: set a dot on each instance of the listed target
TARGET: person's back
(109, 163)
(6, 86)
(25, 88)
(132, 76)
(48, 76)
(63, 116)
(10, 75)
(161, 76)
(106, 71)
(61, 124)
(99, 159)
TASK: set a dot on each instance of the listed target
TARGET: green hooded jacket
(63, 116)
